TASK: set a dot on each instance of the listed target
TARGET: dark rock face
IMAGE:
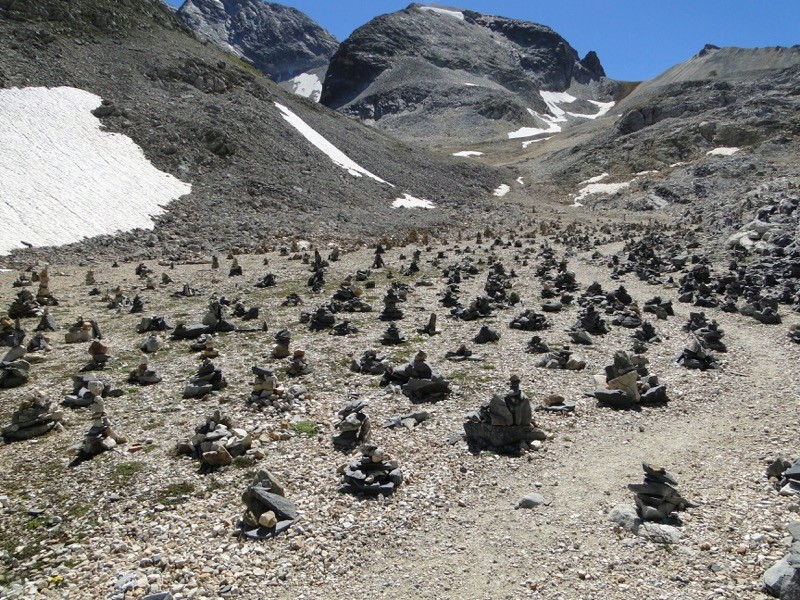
(468, 67)
(279, 41)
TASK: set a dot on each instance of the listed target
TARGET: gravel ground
(139, 522)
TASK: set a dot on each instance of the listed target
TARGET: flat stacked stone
(85, 390)
(694, 356)
(266, 391)
(503, 424)
(656, 499)
(353, 427)
(14, 370)
(299, 364)
(34, 417)
(216, 442)
(530, 320)
(627, 384)
(144, 375)
(563, 358)
(100, 357)
(282, 340)
(392, 336)
(268, 512)
(462, 353)
(101, 437)
(370, 363)
(207, 379)
(83, 330)
(486, 334)
(375, 473)
(24, 306)
(418, 380)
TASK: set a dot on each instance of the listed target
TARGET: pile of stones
(33, 418)
(151, 344)
(323, 318)
(504, 424)
(216, 442)
(530, 320)
(486, 334)
(144, 375)
(708, 334)
(14, 370)
(101, 437)
(154, 323)
(207, 379)
(370, 363)
(299, 364)
(100, 357)
(24, 306)
(786, 476)
(216, 317)
(86, 390)
(626, 383)
(418, 380)
(282, 340)
(645, 334)
(348, 299)
(353, 427)
(392, 336)
(462, 353)
(83, 330)
(481, 307)
(11, 332)
(373, 474)
(345, 327)
(694, 356)
(409, 421)
(537, 345)
(561, 359)
(390, 310)
(430, 328)
(266, 281)
(43, 295)
(794, 333)
(660, 307)
(267, 511)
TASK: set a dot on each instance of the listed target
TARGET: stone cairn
(101, 436)
(100, 357)
(626, 383)
(462, 353)
(216, 317)
(323, 318)
(266, 281)
(794, 333)
(504, 423)
(216, 442)
(282, 340)
(418, 380)
(144, 375)
(24, 306)
(151, 344)
(486, 334)
(353, 427)
(43, 296)
(207, 379)
(14, 370)
(137, 305)
(392, 336)
(299, 364)
(430, 329)
(86, 389)
(370, 363)
(708, 334)
(11, 332)
(267, 392)
(47, 322)
(189, 332)
(33, 418)
(656, 499)
(390, 311)
(644, 335)
(375, 473)
(39, 343)
(694, 356)
(481, 307)
(205, 346)
(660, 307)
(530, 320)
(267, 511)
(537, 345)
(83, 330)
(786, 476)
(236, 269)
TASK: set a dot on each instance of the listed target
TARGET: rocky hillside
(440, 75)
(213, 122)
(280, 41)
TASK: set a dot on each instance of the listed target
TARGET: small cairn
(34, 417)
(205, 346)
(645, 334)
(236, 269)
(86, 389)
(626, 383)
(22, 280)
(11, 332)
(323, 318)
(481, 307)
(537, 346)
(268, 512)
(486, 334)
(346, 327)
(430, 329)
(390, 310)
(14, 370)
(246, 314)
(266, 390)
(408, 421)
(392, 336)
(299, 364)
(708, 334)
(217, 442)
(561, 359)
(90, 279)
(207, 379)
(370, 363)
(39, 343)
(656, 499)
(266, 281)
(659, 307)
(24, 306)
(450, 297)
(418, 380)
(530, 320)
(786, 476)
(47, 322)
(504, 423)
(100, 356)
(137, 305)
(143, 375)
(101, 436)
(590, 321)
(353, 427)
(282, 340)
(375, 473)
(216, 317)
(83, 330)
(188, 332)
(43, 295)
(694, 356)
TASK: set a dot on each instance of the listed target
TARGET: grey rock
(531, 501)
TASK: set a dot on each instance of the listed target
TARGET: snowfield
(408, 201)
(502, 190)
(722, 151)
(557, 115)
(308, 86)
(62, 178)
(336, 155)
(444, 11)
(468, 153)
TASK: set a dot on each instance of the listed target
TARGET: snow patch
(471, 84)
(307, 85)
(62, 178)
(722, 151)
(337, 156)
(643, 173)
(529, 142)
(502, 190)
(595, 179)
(408, 201)
(468, 153)
(520, 181)
(557, 115)
(601, 188)
(444, 11)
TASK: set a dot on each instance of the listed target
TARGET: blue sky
(635, 39)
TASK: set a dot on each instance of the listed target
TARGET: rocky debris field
(351, 469)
